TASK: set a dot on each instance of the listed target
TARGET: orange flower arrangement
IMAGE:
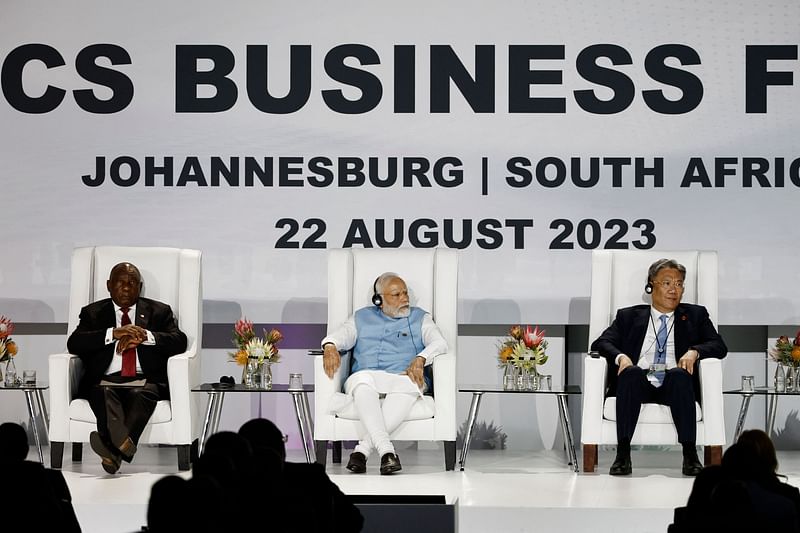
(785, 351)
(523, 348)
(249, 346)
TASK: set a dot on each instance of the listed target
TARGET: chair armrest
(183, 372)
(444, 389)
(64, 372)
(711, 400)
(594, 384)
(324, 387)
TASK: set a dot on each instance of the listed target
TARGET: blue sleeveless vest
(386, 343)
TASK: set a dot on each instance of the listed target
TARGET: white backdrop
(47, 209)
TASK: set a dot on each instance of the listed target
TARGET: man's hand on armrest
(330, 359)
(415, 369)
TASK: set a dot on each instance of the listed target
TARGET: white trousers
(380, 419)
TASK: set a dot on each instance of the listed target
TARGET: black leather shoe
(108, 458)
(357, 463)
(390, 463)
(691, 465)
(622, 466)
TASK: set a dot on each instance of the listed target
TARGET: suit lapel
(108, 314)
(681, 331)
(143, 312)
(639, 329)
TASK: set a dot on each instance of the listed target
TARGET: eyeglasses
(668, 284)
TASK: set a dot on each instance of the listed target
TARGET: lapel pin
(684, 317)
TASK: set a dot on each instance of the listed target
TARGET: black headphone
(649, 287)
(377, 299)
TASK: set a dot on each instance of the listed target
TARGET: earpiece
(377, 300)
(649, 287)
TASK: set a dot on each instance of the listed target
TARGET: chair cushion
(79, 409)
(651, 413)
(422, 409)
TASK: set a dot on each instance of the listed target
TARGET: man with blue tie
(652, 353)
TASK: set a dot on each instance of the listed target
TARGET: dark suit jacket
(692, 330)
(88, 341)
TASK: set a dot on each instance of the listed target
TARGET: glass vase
(265, 375)
(790, 378)
(10, 378)
(535, 379)
(509, 376)
(796, 384)
(249, 373)
(780, 378)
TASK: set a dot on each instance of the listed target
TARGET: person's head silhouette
(13, 443)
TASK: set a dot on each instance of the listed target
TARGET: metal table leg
(217, 411)
(207, 422)
(773, 408)
(302, 422)
(29, 399)
(307, 413)
(473, 414)
(566, 427)
(43, 410)
(742, 415)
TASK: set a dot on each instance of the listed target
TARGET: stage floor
(499, 491)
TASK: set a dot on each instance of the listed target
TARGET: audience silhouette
(37, 497)
(308, 498)
(242, 480)
(745, 493)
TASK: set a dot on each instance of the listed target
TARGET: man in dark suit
(122, 339)
(652, 353)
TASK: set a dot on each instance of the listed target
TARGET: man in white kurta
(392, 342)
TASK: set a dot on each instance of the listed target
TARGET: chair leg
(77, 452)
(56, 454)
(321, 451)
(589, 457)
(336, 453)
(184, 453)
(713, 455)
(449, 455)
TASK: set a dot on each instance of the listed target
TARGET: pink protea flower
(533, 337)
(6, 327)
(243, 328)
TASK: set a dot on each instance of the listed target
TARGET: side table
(34, 398)
(770, 393)
(561, 394)
(216, 396)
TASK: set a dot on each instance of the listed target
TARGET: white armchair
(618, 280)
(432, 278)
(170, 275)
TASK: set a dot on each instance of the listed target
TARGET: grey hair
(383, 279)
(660, 265)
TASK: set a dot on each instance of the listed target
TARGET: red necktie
(129, 355)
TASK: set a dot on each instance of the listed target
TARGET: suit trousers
(124, 411)
(677, 392)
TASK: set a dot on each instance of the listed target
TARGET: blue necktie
(661, 349)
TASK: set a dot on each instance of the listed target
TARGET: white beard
(396, 312)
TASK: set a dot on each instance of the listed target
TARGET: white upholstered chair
(618, 280)
(170, 275)
(432, 279)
